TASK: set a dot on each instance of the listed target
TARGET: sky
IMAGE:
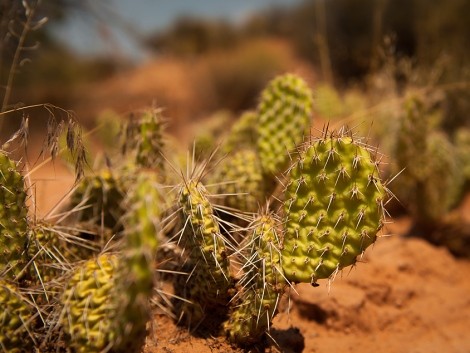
(99, 34)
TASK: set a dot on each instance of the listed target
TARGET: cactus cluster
(327, 214)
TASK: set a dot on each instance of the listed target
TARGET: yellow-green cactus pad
(284, 114)
(98, 199)
(15, 317)
(13, 218)
(209, 280)
(239, 179)
(333, 206)
(263, 284)
(90, 307)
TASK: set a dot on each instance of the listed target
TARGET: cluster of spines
(209, 280)
(13, 218)
(333, 208)
(262, 284)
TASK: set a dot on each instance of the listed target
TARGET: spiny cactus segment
(210, 279)
(98, 199)
(89, 308)
(284, 114)
(16, 318)
(262, 284)
(13, 218)
(239, 180)
(334, 208)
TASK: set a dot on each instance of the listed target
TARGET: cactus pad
(334, 208)
(240, 179)
(283, 118)
(209, 280)
(13, 217)
(263, 284)
(15, 316)
(89, 305)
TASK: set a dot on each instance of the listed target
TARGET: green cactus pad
(239, 178)
(243, 133)
(284, 114)
(209, 281)
(89, 306)
(98, 200)
(13, 218)
(334, 208)
(136, 270)
(15, 317)
(150, 140)
(263, 284)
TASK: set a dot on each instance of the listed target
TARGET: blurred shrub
(191, 36)
(235, 77)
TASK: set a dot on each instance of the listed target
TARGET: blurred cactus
(328, 103)
(239, 181)
(106, 300)
(98, 200)
(13, 218)
(243, 133)
(430, 180)
(16, 318)
(462, 145)
(284, 114)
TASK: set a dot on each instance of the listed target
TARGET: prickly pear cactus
(284, 114)
(98, 199)
(210, 279)
(334, 208)
(439, 187)
(240, 180)
(263, 284)
(13, 218)
(47, 254)
(15, 317)
(145, 136)
(136, 267)
(243, 133)
(89, 305)
(106, 300)
(430, 178)
(462, 145)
